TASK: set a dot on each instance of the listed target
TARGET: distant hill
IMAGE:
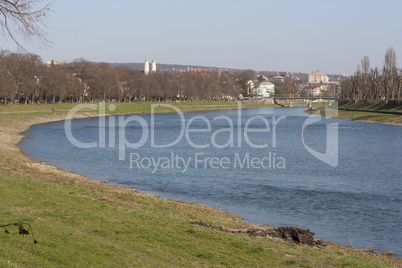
(172, 67)
(176, 67)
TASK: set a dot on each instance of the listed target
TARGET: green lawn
(121, 107)
(366, 112)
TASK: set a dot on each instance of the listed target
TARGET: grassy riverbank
(120, 108)
(82, 223)
(366, 112)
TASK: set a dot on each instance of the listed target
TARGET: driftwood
(288, 234)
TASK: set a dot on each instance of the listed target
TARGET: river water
(275, 166)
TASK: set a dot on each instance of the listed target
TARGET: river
(275, 166)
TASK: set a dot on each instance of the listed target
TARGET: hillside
(176, 67)
(172, 67)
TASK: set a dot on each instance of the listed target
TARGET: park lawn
(364, 112)
(83, 223)
(121, 107)
(392, 106)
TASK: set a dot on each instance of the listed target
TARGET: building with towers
(146, 67)
(317, 77)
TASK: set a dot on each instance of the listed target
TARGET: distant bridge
(290, 97)
(310, 98)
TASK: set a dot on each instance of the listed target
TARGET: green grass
(119, 108)
(393, 106)
(366, 112)
(74, 227)
(128, 108)
(82, 223)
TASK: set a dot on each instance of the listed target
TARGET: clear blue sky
(291, 35)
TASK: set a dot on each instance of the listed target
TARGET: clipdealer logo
(199, 160)
(238, 136)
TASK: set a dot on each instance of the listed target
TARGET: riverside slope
(80, 222)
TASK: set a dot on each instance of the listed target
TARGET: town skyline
(260, 35)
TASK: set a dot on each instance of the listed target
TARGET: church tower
(146, 67)
(153, 67)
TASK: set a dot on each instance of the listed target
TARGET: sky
(263, 35)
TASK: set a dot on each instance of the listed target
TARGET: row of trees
(369, 84)
(25, 78)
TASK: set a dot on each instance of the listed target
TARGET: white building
(250, 86)
(52, 63)
(265, 90)
(314, 89)
(278, 79)
(315, 92)
(146, 67)
(317, 77)
(153, 67)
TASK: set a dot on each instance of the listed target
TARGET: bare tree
(372, 84)
(24, 18)
(390, 58)
(25, 78)
(366, 65)
(390, 72)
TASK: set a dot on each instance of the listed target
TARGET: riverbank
(364, 112)
(80, 222)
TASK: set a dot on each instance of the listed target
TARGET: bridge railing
(292, 96)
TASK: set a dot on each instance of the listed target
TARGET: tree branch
(20, 17)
